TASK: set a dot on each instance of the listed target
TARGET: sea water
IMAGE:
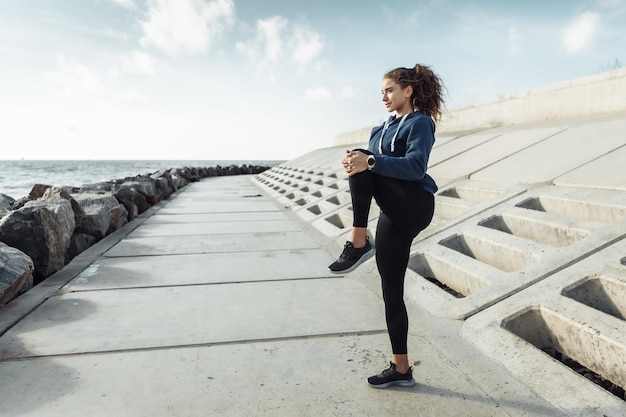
(17, 177)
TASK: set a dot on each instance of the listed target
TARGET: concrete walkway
(218, 302)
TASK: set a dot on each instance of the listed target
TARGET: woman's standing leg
(405, 211)
(392, 259)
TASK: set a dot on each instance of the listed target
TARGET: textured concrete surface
(579, 311)
(259, 330)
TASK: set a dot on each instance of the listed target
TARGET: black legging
(406, 210)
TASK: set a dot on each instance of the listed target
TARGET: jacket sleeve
(413, 164)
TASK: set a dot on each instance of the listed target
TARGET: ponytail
(428, 89)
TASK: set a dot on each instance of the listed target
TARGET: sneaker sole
(366, 256)
(401, 383)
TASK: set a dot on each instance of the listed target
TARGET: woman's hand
(354, 162)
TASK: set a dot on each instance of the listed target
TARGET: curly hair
(428, 89)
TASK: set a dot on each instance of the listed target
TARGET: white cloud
(514, 41)
(139, 62)
(580, 33)
(266, 49)
(610, 4)
(348, 93)
(127, 4)
(186, 26)
(278, 42)
(130, 95)
(318, 93)
(114, 34)
(323, 93)
(269, 40)
(306, 45)
(74, 77)
(87, 86)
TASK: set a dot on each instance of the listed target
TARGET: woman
(393, 171)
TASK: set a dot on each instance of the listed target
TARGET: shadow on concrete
(501, 403)
(31, 379)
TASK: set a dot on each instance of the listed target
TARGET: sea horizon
(18, 176)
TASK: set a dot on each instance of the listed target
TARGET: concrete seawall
(595, 95)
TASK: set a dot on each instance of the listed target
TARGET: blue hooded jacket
(405, 148)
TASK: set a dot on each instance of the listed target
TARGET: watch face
(371, 161)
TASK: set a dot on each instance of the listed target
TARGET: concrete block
(509, 141)
(214, 217)
(304, 377)
(578, 312)
(557, 155)
(502, 250)
(212, 268)
(459, 145)
(608, 171)
(245, 242)
(191, 315)
(214, 228)
(460, 200)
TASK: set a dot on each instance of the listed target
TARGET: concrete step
(578, 312)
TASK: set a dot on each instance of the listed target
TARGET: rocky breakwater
(43, 231)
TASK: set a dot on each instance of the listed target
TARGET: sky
(267, 79)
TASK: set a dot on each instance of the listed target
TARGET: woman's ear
(408, 92)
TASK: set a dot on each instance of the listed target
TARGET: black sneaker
(390, 377)
(352, 257)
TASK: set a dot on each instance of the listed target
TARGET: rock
(6, 204)
(20, 202)
(180, 176)
(16, 270)
(146, 188)
(42, 229)
(134, 202)
(98, 210)
(163, 187)
(38, 190)
(97, 222)
(28, 285)
(233, 170)
(119, 217)
(55, 193)
(97, 188)
(80, 242)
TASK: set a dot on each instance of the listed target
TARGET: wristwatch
(371, 162)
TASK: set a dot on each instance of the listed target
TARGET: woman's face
(396, 98)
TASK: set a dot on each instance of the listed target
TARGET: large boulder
(133, 201)
(6, 204)
(119, 217)
(165, 179)
(163, 186)
(80, 242)
(98, 210)
(56, 193)
(147, 188)
(179, 177)
(38, 191)
(42, 229)
(97, 221)
(96, 188)
(16, 272)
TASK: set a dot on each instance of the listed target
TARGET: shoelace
(346, 250)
